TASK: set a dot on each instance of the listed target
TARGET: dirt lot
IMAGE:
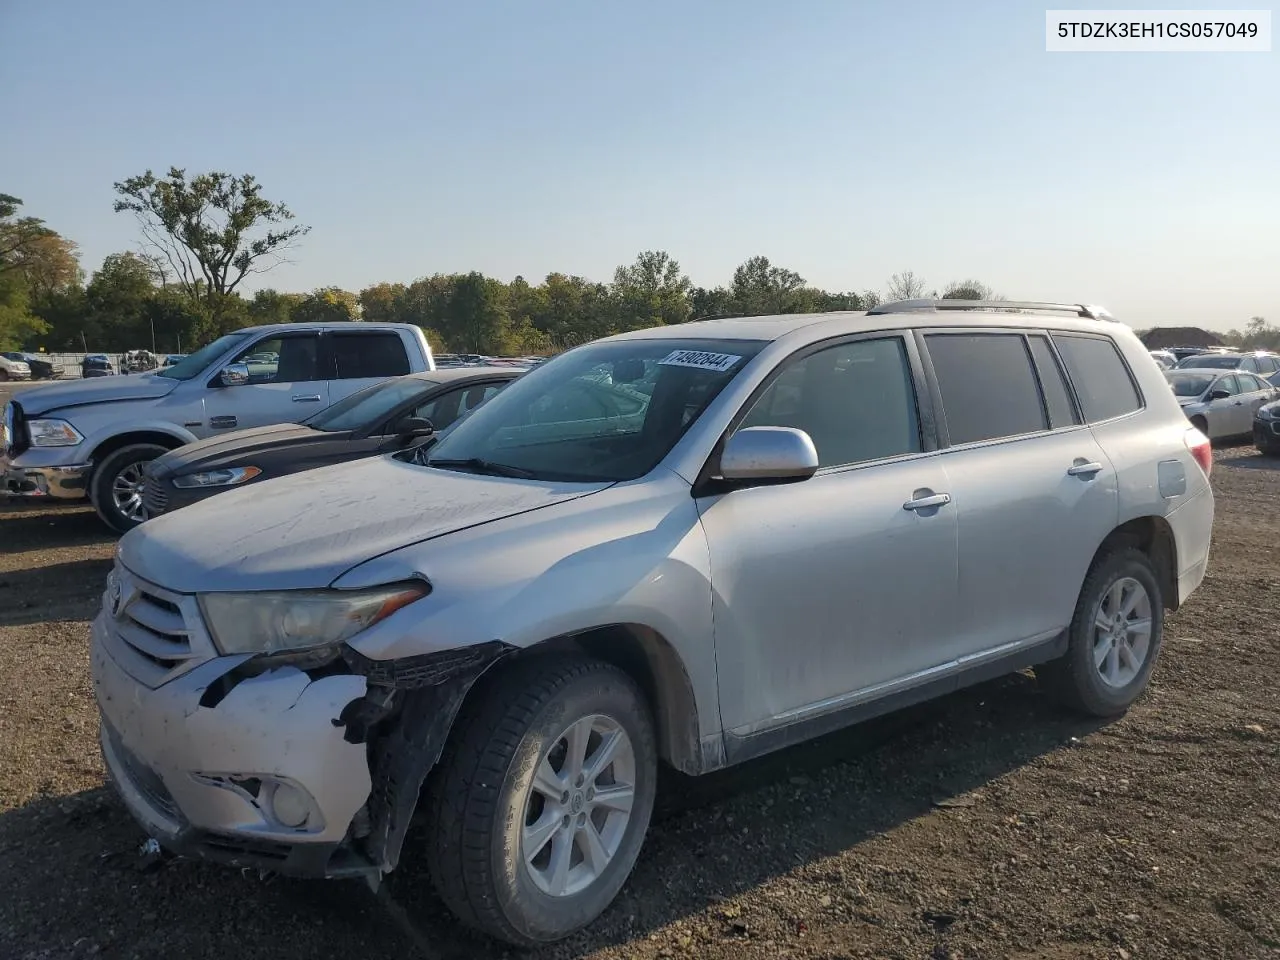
(986, 825)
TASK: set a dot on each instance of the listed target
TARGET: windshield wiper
(480, 465)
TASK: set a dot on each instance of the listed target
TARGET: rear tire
(499, 834)
(114, 478)
(1114, 637)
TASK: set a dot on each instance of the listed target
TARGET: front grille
(158, 634)
(14, 436)
(155, 498)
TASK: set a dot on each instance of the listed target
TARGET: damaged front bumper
(311, 774)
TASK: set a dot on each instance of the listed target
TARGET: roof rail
(1089, 311)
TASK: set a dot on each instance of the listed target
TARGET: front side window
(856, 401)
(1188, 385)
(360, 355)
(284, 359)
(988, 385)
(445, 408)
(1100, 376)
(368, 407)
(194, 364)
(602, 412)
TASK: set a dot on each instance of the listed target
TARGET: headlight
(1269, 413)
(217, 478)
(300, 619)
(53, 433)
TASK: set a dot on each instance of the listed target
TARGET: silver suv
(692, 544)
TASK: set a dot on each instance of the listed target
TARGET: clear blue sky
(844, 140)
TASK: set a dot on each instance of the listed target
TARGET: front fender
(634, 553)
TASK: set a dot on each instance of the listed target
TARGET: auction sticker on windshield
(719, 362)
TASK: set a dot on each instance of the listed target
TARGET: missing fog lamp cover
(216, 478)
(291, 620)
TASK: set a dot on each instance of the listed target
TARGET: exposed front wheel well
(644, 655)
(1154, 537)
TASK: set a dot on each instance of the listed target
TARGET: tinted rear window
(1100, 376)
(988, 385)
(360, 355)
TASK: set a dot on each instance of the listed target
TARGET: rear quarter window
(1100, 376)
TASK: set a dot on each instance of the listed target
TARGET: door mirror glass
(768, 453)
(414, 427)
(1219, 394)
(234, 375)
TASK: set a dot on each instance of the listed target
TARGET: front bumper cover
(68, 482)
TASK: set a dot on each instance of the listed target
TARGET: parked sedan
(1220, 404)
(41, 368)
(382, 418)
(1266, 428)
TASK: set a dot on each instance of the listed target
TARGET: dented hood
(305, 530)
(78, 393)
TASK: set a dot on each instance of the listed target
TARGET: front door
(844, 581)
(286, 385)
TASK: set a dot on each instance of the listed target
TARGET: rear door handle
(306, 398)
(928, 503)
(1084, 469)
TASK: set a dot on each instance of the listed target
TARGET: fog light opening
(290, 806)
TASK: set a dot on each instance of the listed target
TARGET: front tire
(115, 489)
(1114, 637)
(542, 799)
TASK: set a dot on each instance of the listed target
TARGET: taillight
(1200, 448)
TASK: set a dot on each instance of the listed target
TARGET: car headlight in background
(53, 433)
(1269, 413)
(297, 620)
(217, 478)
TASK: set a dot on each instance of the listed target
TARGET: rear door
(1254, 391)
(358, 359)
(285, 385)
(1034, 493)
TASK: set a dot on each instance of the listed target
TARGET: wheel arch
(1153, 536)
(111, 444)
(653, 663)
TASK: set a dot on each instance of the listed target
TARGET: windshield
(195, 364)
(13, 356)
(603, 412)
(1193, 385)
(367, 407)
(1211, 362)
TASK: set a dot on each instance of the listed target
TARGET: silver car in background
(691, 544)
(1220, 404)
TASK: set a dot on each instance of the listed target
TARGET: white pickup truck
(93, 438)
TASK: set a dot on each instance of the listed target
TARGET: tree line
(202, 237)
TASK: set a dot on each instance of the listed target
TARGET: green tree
(115, 303)
(326, 305)
(652, 291)
(382, 302)
(272, 306)
(969, 290)
(760, 289)
(211, 230)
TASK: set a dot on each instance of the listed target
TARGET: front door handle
(1084, 469)
(306, 398)
(929, 502)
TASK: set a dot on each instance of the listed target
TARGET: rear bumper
(69, 482)
(1192, 525)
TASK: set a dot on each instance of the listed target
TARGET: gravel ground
(988, 824)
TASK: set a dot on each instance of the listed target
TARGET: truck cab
(93, 438)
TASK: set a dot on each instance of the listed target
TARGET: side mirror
(234, 375)
(756, 454)
(411, 427)
(1220, 395)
